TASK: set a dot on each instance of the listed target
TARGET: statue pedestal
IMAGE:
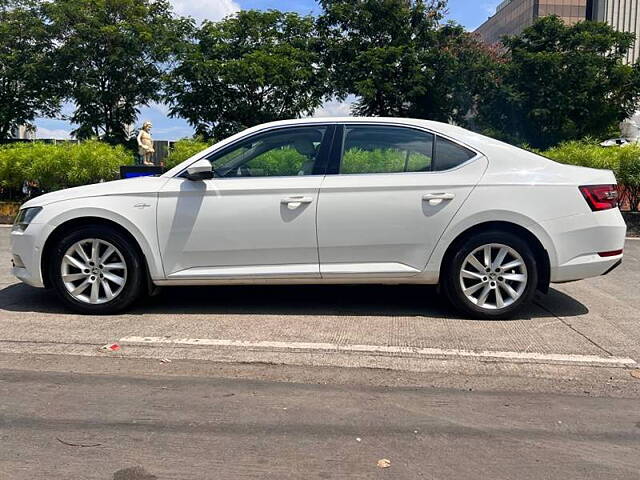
(132, 171)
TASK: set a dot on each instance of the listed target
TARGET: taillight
(600, 197)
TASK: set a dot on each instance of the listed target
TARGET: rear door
(393, 191)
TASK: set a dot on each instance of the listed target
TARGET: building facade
(623, 15)
(513, 16)
(24, 132)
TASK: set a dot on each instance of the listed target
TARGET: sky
(469, 13)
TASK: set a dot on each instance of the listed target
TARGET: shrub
(184, 149)
(280, 162)
(62, 165)
(382, 160)
(629, 177)
(590, 154)
(624, 161)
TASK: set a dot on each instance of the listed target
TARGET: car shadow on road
(348, 300)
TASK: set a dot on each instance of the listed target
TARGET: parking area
(594, 322)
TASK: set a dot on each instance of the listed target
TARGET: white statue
(145, 144)
(631, 128)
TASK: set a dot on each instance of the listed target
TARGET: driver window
(281, 153)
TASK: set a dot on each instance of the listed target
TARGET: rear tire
(492, 275)
(96, 270)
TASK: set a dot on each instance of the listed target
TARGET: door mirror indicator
(201, 170)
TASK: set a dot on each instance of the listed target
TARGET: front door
(393, 192)
(256, 218)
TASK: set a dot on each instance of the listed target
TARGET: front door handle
(437, 198)
(295, 202)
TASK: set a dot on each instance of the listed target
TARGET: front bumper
(26, 250)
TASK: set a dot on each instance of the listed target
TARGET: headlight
(24, 218)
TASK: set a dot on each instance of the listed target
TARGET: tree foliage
(248, 69)
(28, 87)
(560, 82)
(111, 55)
(550, 84)
(398, 60)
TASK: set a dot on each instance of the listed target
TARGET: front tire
(96, 270)
(492, 275)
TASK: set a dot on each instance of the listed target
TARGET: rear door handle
(437, 198)
(295, 202)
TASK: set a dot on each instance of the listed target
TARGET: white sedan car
(340, 201)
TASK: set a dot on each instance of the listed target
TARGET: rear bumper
(579, 238)
(585, 267)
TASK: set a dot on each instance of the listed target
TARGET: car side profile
(339, 201)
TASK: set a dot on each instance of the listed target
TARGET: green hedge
(590, 154)
(624, 161)
(59, 166)
(184, 149)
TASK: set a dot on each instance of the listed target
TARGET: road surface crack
(572, 328)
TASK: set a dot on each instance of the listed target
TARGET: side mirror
(201, 170)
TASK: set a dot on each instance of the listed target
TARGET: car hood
(129, 186)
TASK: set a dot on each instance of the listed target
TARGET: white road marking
(388, 350)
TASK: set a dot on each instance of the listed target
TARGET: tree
(398, 60)
(372, 49)
(457, 70)
(561, 82)
(112, 53)
(248, 69)
(28, 85)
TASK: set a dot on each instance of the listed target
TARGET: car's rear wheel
(96, 270)
(492, 275)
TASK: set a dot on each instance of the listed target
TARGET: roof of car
(446, 129)
(475, 140)
(437, 126)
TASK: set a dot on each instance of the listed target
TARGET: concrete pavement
(594, 322)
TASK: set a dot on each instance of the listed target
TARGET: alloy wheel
(93, 271)
(493, 276)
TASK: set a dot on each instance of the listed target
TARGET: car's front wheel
(491, 275)
(96, 270)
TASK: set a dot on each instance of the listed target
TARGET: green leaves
(184, 149)
(561, 83)
(398, 60)
(629, 176)
(248, 69)
(60, 166)
(624, 161)
(110, 56)
(28, 85)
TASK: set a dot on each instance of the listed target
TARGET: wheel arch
(78, 222)
(540, 252)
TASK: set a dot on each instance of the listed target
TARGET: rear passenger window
(381, 149)
(450, 155)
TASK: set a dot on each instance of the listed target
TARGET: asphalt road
(250, 382)
(71, 426)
